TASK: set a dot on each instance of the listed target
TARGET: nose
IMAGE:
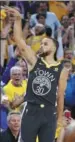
(16, 122)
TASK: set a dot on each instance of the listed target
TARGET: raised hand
(5, 101)
(13, 13)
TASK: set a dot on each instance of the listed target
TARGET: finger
(12, 19)
(13, 11)
(10, 12)
(10, 9)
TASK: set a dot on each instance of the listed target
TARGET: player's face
(47, 46)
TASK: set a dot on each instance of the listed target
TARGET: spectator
(41, 17)
(51, 19)
(70, 89)
(6, 75)
(68, 54)
(16, 86)
(71, 7)
(40, 31)
(35, 41)
(12, 132)
(65, 24)
(64, 21)
(69, 34)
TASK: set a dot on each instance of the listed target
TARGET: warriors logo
(41, 85)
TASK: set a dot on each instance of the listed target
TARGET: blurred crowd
(38, 21)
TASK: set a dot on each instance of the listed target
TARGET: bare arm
(60, 97)
(60, 138)
(17, 102)
(27, 53)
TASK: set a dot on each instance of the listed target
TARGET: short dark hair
(39, 2)
(55, 42)
(41, 14)
(57, 45)
(48, 31)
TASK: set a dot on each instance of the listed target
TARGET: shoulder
(51, 13)
(4, 135)
(38, 62)
(24, 82)
(33, 16)
(7, 85)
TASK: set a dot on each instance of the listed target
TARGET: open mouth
(17, 79)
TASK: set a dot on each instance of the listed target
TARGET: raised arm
(26, 52)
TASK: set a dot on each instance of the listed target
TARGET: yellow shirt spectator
(11, 90)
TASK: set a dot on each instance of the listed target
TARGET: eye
(45, 43)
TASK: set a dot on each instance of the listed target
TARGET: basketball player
(46, 79)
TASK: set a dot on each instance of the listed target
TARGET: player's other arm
(60, 95)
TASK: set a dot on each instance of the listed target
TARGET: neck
(15, 133)
(16, 84)
(49, 59)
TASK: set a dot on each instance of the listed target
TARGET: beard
(44, 54)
